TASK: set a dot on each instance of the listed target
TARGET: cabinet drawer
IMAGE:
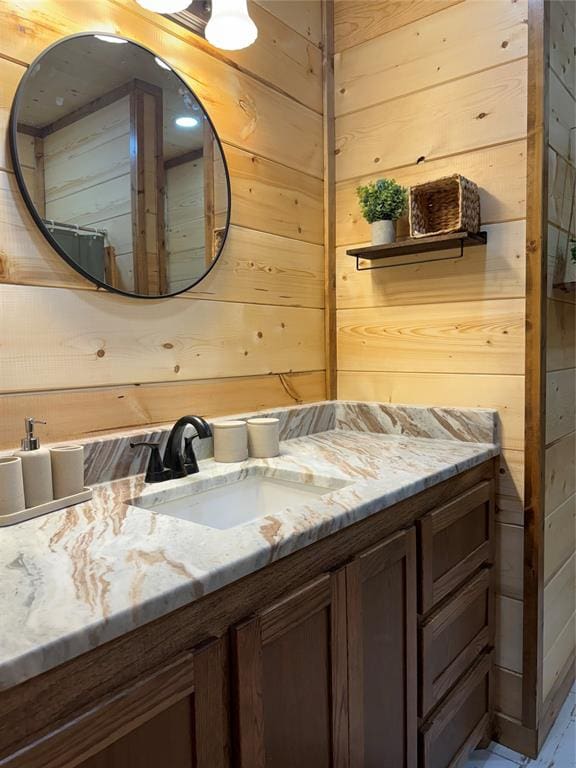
(458, 725)
(455, 540)
(452, 638)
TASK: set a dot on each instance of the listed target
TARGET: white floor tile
(559, 751)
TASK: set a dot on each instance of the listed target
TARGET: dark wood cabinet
(455, 540)
(381, 590)
(176, 716)
(371, 648)
(290, 676)
(327, 677)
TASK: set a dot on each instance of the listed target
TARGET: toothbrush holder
(230, 441)
(11, 486)
(67, 470)
(263, 437)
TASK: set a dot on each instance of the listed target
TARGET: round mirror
(120, 166)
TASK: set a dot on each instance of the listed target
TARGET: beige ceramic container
(11, 486)
(230, 441)
(263, 437)
(67, 470)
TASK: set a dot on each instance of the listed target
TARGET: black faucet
(179, 457)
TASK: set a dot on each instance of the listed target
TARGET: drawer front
(452, 638)
(458, 725)
(455, 540)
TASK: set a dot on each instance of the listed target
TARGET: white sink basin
(232, 500)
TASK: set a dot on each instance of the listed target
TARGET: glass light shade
(230, 27)
(164, 6)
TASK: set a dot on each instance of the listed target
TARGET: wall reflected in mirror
(121, 165)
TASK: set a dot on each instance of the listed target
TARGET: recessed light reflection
(186, 122)
(162, 64)
(110, 39)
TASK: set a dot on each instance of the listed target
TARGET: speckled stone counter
(77, 578)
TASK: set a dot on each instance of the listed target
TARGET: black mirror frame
(13, 132)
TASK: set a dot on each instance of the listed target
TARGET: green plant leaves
(382, 199)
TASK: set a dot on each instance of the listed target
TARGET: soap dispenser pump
(36, 466)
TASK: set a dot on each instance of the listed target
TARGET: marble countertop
(77, 578)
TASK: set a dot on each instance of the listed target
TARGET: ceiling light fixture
(164, 6)
(110, 39)
(230, 26)
(186, 122)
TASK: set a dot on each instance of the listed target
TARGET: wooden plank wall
(252, 334)
(559, 642)
(423, 90)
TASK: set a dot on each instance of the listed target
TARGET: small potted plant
(381, 203)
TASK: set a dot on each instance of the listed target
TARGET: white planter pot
(383, 232)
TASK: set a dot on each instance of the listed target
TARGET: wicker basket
(450, 204)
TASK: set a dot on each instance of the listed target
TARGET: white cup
(230, 441)
(11, 486)
(67, 470)
(263, 437)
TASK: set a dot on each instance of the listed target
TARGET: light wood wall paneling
(560, 652)
(359, 20)
(500, 172)
(509, 560)
(560, 475)
(279, 57)
(561, 268)
(430, 52)
(510, 498)
(267, 195)
(494, 271)
(562, 37)
(25, 256)
(246, 112)
(63, 340)
(509, 633)
(483, 109)
(10, 75)
(273, 198)
(508, 692)
(560, 537)
(255, 267)
(560, 404)
(90, 412)
(505, 394)
(561, 118)
(561, 336)
(459, 337)
(304, 16)
(260, 268)
(559, 603)
(561, 199)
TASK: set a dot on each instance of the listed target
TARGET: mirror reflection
(121, 166)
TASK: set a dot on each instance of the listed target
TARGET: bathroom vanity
(353, 629)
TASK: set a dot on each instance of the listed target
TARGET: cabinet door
(176, 717)
(382, 625)
(290, 691)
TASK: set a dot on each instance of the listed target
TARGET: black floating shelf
(421, 245)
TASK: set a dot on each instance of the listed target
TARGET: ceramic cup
(263, 437)
(11, 486)
(230, 441)
(67, 470)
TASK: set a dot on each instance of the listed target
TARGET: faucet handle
(156, 472)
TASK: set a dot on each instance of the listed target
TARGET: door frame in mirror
(13, 136)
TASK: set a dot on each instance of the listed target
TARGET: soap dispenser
(36, 467)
